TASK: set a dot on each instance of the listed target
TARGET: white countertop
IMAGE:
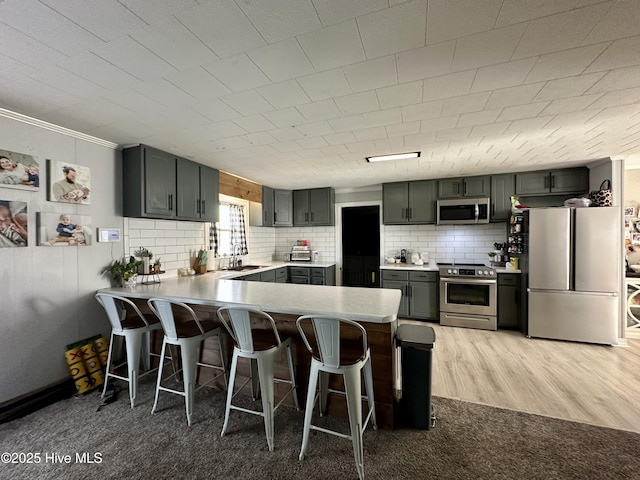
(376, 305)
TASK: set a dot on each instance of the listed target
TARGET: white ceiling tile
(449, 19)
(286, 134)
(383, 117)
(564, 64)
(478, 118)
(24, 49)
(503, 75)
(399, 95)
(421, 111)
(346, 124)
(47, 26)
(559, 32)
(334, 46)
(231, 143)
(370, 133)
(617, 98)
(258, 138)
(357, 147)
(280, 19)
(371, 74)
(322, 110)
(198, 83)
(238, 73)
(420, 139)
(622, 20)
(284, 94)
(621, 53)
(107, 19)
(282, 61)
(157, 12)
(334, 150)
(488, 48)
(215, 110)
(568, 105)
(165, 93)
(517, 11)
(340, 138)
(616, 80)
(445, 86)
(506, 97)
(226, 129)
(440, 123)
(411, 128)
(425, 62)
(96, 70)
(315, 129)
(223, 27)
(254, 123)
(321, 86)
(61, 78)
(568, 87)
(521, 111)
(175, 44)
(286, 117)
(286, 147)
(133, 58)
(490, 129)
(335, 11)
(465, 103)
(247, 103)
(453, 134)
(145, 107)
(357, 103)
(312, 142)
(394, 29)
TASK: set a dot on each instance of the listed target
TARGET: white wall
(47, 292)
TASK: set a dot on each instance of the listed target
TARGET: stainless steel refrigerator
(574, 273)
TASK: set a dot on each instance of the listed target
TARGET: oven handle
(474, 281)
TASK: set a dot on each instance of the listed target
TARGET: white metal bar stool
(136, 331)
(188, 335)
(329, 357)
(261, 346)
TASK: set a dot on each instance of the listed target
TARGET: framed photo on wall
(19, 170)
(14, 226)
(68, 183)
(66, 229)
(629, 211)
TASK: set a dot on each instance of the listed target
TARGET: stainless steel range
(468, 296)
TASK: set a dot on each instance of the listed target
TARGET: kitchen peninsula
(375, 309)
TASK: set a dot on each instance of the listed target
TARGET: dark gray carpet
(469, 442)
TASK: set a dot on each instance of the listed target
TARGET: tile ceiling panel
(261, 88)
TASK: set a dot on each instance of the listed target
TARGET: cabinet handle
(170, 202)
(312, 216)
(198, 207)
(553, 181)
(373, 277)
(203, 207)
(493, 209)
(274, 217)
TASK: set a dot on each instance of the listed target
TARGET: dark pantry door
(361, 246)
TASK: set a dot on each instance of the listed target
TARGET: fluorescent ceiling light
(395, 156)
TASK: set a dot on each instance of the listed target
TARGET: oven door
(473, 296)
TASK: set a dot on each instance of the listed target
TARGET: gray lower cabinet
(282, 275)
(508, 300)
(419, 292)
(502, 188)
(568, 180)
(409, 202)
(313, 275)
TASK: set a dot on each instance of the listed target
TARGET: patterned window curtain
(213, 239)
(237, 228)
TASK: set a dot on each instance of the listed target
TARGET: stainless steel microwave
(461, 211)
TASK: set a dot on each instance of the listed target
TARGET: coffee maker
(403, 256)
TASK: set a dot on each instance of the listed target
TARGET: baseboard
(34, 401)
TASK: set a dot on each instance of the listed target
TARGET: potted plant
(123, 274)
(146, 255)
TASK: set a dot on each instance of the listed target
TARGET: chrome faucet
(234, 257)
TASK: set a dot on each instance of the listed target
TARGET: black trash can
(416, 347)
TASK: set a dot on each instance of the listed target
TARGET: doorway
(361, 246)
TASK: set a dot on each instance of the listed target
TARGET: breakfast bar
(376, 309)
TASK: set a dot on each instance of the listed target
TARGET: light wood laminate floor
(587, 383)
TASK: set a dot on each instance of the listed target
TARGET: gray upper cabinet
(277, 207)
(569, 180)
(157, 184)
(502, 188)
(464, 187)
(314, 207)
(197, 191)
(409, 202)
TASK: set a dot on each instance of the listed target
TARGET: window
(229, 231)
